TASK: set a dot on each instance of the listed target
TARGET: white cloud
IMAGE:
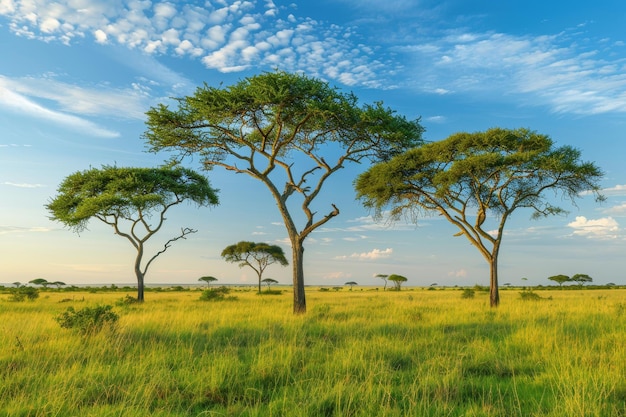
(5, 230)
(336, 275)
(227, 37)
(23, 185)
(460, 273)
(603, 228)
(618, 210)
(619, 189)
(374, 254)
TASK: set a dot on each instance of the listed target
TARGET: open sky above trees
(81, 76)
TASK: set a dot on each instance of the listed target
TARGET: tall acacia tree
(288, 131)
(257, 256)
(470, 175)
(127, 199)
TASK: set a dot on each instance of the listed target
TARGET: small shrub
(529, 295)
(216, 294)
(89, 320)
(324, 289)
(24, 293)
(127, 301)
(468, 293)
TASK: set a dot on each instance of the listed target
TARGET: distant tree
(384, 278)
(257, 256)
(208, 280)
(397, 280)
(17, 284)
(58, 284)
(40, 281)
(269, 282)
(127, 199)
(288, 131)
(470, 176)
(560, 279)
(581, 279)
(351, 284)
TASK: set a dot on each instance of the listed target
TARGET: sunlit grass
(355, 353)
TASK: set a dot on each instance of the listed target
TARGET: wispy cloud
(619, 189)
(12, 99)
(557, 71)
(23, 185)
(374, 254)
(5, 230)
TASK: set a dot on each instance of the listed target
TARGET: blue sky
(77, 77)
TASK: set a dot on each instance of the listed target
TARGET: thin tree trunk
(494, 294)
(139, 274)
(299, 300)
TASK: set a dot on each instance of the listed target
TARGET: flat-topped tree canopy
(289, 131)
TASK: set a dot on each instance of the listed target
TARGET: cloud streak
(12, 100)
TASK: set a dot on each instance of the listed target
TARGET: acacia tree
(127, 199)
(384, 278)
(581, 279)
(560, 279)
(288, 131)
(40, 281)
(470, 175)
(397, 280)
(208, 280)
(351, 284)
(257, 256)
(269, 282)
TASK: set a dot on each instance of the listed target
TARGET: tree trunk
(299, 300)
(494, 294)
(139, 274)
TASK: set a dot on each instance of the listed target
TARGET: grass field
(355, 353)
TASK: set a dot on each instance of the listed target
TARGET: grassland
(355, 353)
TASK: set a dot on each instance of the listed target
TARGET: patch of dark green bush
(216, 294)
(88, 320)
(23, 294)
(529, 295)
(127, 301)
(468, 293)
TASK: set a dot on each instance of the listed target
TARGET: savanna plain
(366, 352)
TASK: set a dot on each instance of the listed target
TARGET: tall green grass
(355, 353)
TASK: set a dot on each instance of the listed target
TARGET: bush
(529, 295)
(127, 301)
(89, 320)
(216, 294)
(24, 293)
(468, 293)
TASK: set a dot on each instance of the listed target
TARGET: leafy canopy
(113, 193)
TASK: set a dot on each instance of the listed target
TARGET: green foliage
(216, 294)
(581, 279)
(127, 301)
(133, 201)
(468, 293)
(471, 177)
(40, 281)
(529, 295)
(397, 280)
(288, 131)
(208, 280)
(560, 279)
(257, 256)
(23, 293)
(88, 320)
